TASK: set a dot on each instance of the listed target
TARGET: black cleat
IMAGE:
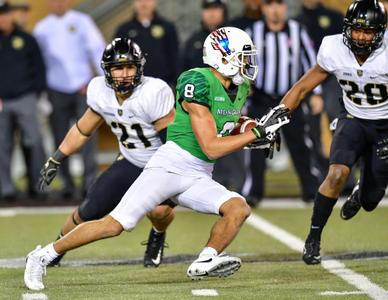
(311, 255)
(56, 262)
(352, 205)
(153, 255)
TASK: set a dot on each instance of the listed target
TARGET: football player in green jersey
(209, 103)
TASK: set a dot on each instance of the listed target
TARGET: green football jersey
(200, 86)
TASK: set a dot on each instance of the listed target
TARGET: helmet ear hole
(224, 61)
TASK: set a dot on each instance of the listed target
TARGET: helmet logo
(122, 58)
(221, 41)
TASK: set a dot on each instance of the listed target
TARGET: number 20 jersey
(364, 87)
(132, 121)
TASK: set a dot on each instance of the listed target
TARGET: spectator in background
(213, 16)
(285, 52)
(157, 38)
(20, 11)
(72, 47)
(252, 13)
(22, 78)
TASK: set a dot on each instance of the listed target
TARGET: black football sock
(323, 206)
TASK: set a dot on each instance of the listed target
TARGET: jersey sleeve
(162, 103)
(91, 96)
(325, 54)
(193, 87)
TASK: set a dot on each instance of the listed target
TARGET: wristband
(258, 131)
(58, 156)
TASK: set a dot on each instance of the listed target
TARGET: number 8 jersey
(365, 87)
(132, 121)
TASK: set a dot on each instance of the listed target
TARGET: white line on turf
(29, 296)
(208, 292)
(333, 293)
(361, 282)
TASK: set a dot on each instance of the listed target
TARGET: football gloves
(271, 122)
(50, 168)
(382, 149)
(48, 173)
(266, 145)
(268, 137)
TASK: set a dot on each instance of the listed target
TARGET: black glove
(275, 144)
(270, 123)
(268, 145)
(382, 149)
(49, 170)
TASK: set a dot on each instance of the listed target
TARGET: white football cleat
(213, 266)
(35, 269)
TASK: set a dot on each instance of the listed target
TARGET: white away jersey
(365, 87)
(132, 121)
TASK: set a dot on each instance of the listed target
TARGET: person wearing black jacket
(213, 16)
(157, 38)
(251, 14)
(22, 77)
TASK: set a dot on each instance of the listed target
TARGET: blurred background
(188, 19)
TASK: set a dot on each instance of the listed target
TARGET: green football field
(355, 264)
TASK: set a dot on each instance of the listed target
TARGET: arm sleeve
(161, 104)
(95, 43)
(193, 87)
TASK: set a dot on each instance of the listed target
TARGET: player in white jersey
(138, 109)
(359, 59)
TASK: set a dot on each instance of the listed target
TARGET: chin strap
(238, 79)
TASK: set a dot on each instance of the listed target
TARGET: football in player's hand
(244, 124)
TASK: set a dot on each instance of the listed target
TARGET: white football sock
(208, 251)
(49, 254)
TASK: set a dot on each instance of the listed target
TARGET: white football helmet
(231, 52)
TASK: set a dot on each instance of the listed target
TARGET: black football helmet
(122, 51)
(369, 15)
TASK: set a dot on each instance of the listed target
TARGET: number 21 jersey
(132, 121)
(364, 87)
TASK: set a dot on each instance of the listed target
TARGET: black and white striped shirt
(283, 56)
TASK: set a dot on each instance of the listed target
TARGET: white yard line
(207, 292)
(359, 281)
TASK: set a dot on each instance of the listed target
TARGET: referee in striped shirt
(285, 52)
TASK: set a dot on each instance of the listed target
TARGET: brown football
(244, 124)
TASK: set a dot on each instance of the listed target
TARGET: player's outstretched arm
(75, 138)
(303, 86)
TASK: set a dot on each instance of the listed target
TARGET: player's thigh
(107, 191)
(151, 188)
(206, 196)
(349, 142)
